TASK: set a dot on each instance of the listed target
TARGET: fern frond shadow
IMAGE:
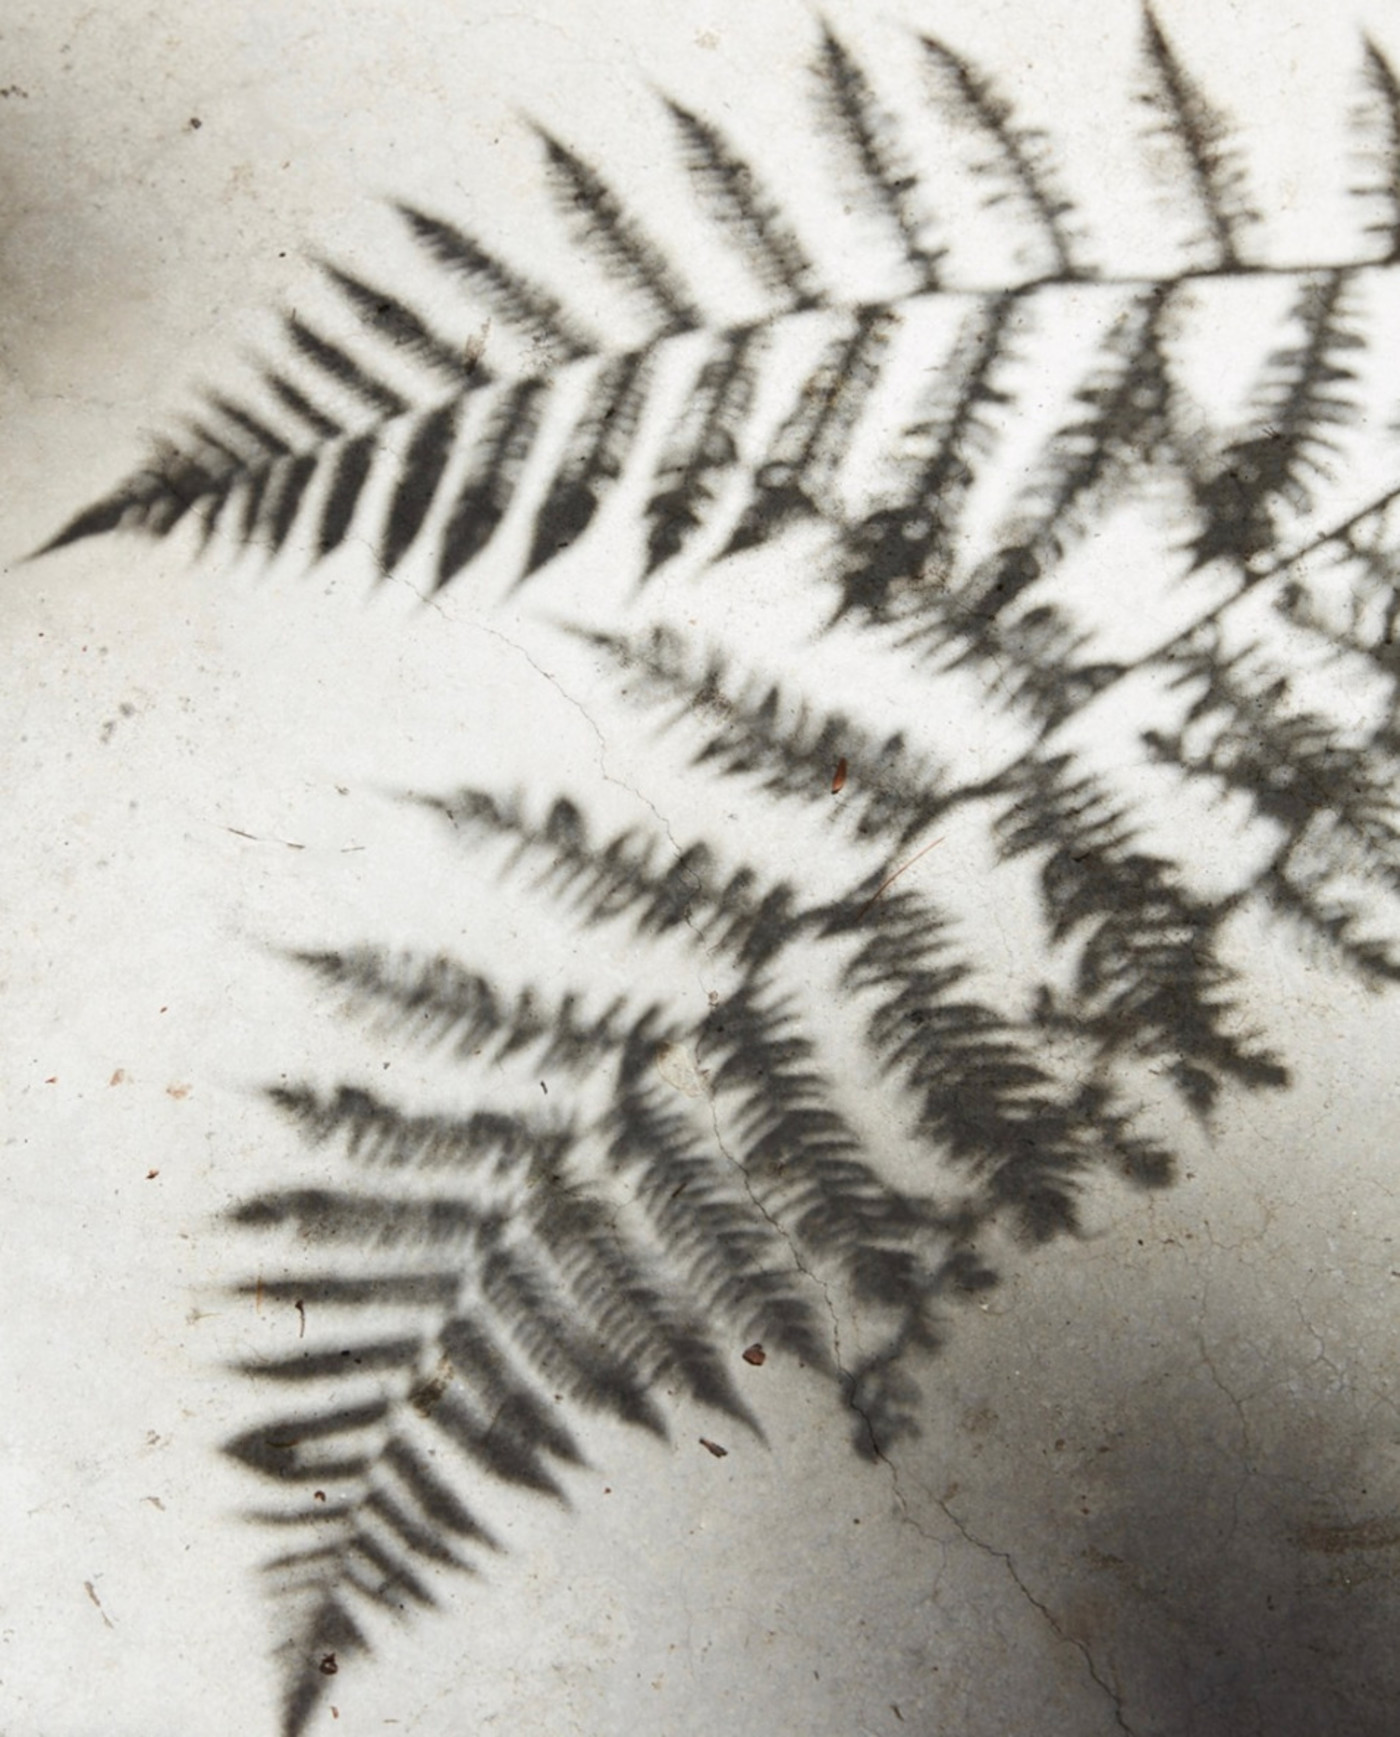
(1053, 534)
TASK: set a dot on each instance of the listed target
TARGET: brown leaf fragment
(714, 1447)
(756, 1355)
(838, 781)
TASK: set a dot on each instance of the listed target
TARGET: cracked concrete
(1156, 1484)
(1081, 1647)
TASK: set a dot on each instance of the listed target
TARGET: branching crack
(776, 1224)
(607, 776)
(1007, 1561)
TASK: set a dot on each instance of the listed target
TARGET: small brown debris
(714, 1447)
(118, 1078)
(472, 349)
(151, 1175)
(318, 1495)
(177, 1092)
(300, 1308)
(756, 1355)
(424, 1397)
(328, 1667)
(838, 781)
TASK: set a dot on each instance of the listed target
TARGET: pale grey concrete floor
(1158, 1479)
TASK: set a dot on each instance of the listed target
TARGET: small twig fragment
(890, 879)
